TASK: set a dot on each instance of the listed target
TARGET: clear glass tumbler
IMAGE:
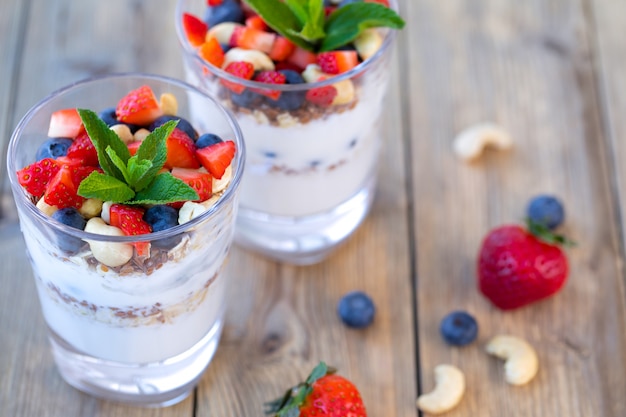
(311, 171)
(144, 332)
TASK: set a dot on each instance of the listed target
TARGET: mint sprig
(304, 22)
(131, 179)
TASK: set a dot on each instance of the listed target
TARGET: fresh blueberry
(356, 309)
(546, 210)
(162, 217)
(207, 139)
(53, 148)
(225, 47)
(183, 125)
(290, 100)
(228, 11)
(109, 117)
(70, 217)
(459, 328)
(248, 98)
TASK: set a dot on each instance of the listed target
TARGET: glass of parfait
(310, 111)
(126, 188)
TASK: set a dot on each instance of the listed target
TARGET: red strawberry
(65, 123)
(239, 69)
(328, 395)
(251, 38)
(61, 191)
(180, 150)
(35, 177)
(212, 52)
(336, 62)
(301, 57)
(213, 3)
(269, 77)
(322, 96)
(515, 268)
(138, 107)
(133, 147)
(82, 148)
(281, 49)
(217, 157)
(256, 22)
(383, 2)
(195, 29)
(200, 181)
(130, 220)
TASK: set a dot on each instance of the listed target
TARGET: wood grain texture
(526, 66)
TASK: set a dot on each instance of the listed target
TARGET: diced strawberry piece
(139, 107)
(383, 2)
(35, 177)
(82, 148)
(301, 57)
(269, 77)
(61, 190)
(285, 65)
(281, 49)
(133, 146)
(212, 52)
(322, 96)
(337, 62)
(200, 181)
(239, 69)
(79, 173)
(328, 10)
(130, 221)
(195, 29)
(213, 3)
(181, 151)
(65, 123)
(217, 157)
(256, 22)
(64, 160)
(250, 38)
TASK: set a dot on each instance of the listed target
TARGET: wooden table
(550, 71)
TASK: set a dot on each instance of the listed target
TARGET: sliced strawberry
(285, 65)
(200, 181)
(322, 96)
(336, 62)
(61, 190)
(130, 221)
(383, 2)
(217, 157)
(213, 3)
(239, 69)
(139, 107)
(79, 173)
(256, 22)
(269, 77)
(82, 148)
(35, 177)
(250, 38)
(281, 49)
(181, 151)
(195, 29)
(65, 123)
(301, 57)
(133, 146)
(212, 52)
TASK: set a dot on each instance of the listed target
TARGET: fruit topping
(239, 69)
(195, 29)
(458, 328)
(356, 309)
(198, 180)
(35, 177)
(217, 157)
(322, 96)
(337, 62)
(181, 151)
(269, 77)
(61, 190)
(212, 52)
(227, 11)
(182, 124)
(139, 107)
(82, 148)
(53, 148)
(546, 210)
(65, 123)
(70, 217)
(207, 139)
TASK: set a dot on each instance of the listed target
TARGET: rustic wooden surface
(550, 71)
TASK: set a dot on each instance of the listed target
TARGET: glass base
(157, 384)
(303, 240)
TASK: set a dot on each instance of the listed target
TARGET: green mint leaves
(131, 179)
(304, 23)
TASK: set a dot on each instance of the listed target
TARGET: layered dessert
(128, 213)
(307, 94)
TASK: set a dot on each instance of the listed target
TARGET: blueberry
(207, 139)
(290, 100)
(160, 218)
(109, 117)
(248, 98)
(183, 125)
(228, 11)
(356, 309)
(546, 210)
(70, 217)
(459, 328)
(53, 148)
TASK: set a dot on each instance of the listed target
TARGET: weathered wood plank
(528, 67)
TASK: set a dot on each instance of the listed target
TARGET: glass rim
(26, 202)
(189, 50)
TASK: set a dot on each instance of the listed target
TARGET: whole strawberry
(516, 267)
(323, 394)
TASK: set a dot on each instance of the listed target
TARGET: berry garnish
(139, 106)
(53, 148)
(195, 29)
(239, 69)
(70, 217)
(269, 77)
(35, 177)
(546, 210)
(337, 62)
(217, 157)
(198, 180)
(458, 328)
(356, 309)
(82, 148)
(180, 151)
(130, 221)
(207, 139)
(65, 123)
(322, 96)
(182, 124)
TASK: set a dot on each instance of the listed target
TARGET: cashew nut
(140, 135)
(448, 391)
(108, 253)
(222, 183)
(345, 92)
(46, 208)
(91, 207)
(312, 73)
(368, 43)
(105, 214)
(123, 132)
(168, 104)
(260, 60)
(222, 32)
(470, 143)
(190, 210)
(521, 359)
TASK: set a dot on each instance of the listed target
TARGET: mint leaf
(101, 137)
(298, 7)
(154, 149)
(138, 170)
(314, 27)
(282, 19)
(105, 187)
(347, 22)
(165, 188)
(119, 164)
